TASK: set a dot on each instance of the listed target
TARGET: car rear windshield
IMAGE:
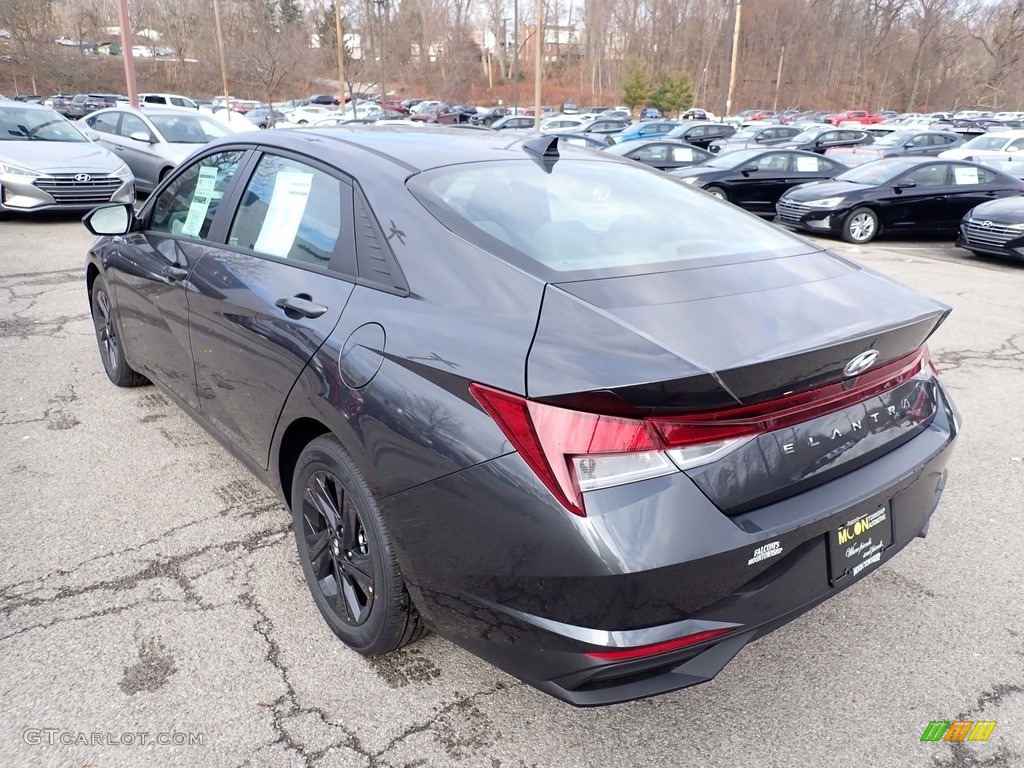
(18, 124)
(986, 142)
(597, 217)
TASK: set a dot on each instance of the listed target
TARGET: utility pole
(221, 56)
(515, 60)
(538, 69)
(341, 54)
(778, 80)
(382, 4)
(126, 53)
(504, 61)
(735, 56)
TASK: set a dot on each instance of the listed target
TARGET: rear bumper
(508, 574)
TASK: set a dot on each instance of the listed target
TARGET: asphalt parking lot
(150, 590)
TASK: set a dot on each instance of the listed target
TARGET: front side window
(289, 211)
(652, 153)
(132, 124)
(773, 163)
(928, 176)
(188, 206)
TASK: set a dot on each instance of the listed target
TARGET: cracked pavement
(149, 584)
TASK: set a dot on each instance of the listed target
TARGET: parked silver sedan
(47, 163)
(154, 140)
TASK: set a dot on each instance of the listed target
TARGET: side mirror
(142, 136)
(760, 137)
(110, 219)
(905, 184)
(1011, 149)
(748, 169)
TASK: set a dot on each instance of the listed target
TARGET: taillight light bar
(642, 651)
(573, 451)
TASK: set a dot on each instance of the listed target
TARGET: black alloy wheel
(108, 339)
(347, 555)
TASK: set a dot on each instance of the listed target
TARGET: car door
(137, 151)
(921, 207)
(265, 300)
(757, 191)
(153, 267)
(807, 167)
(971, 186)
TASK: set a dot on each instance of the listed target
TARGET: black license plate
(859, 544)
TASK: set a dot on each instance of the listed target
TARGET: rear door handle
(175, 273)
(301, 305)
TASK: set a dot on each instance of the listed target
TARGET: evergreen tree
(289, 10)
(673, 93)
(636, 85)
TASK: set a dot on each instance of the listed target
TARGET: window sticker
(966, 176)
(200, 204)
(807, 164)
(284, 214)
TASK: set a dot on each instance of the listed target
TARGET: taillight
(573, 451)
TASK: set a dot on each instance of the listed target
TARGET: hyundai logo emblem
(861, 363)
(83, 177)
(986, 223)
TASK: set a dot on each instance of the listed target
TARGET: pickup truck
(861, 116)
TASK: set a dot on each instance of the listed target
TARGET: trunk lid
(722, 335)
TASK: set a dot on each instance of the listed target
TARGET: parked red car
(861, 116)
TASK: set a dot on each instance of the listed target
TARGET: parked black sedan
(663, 154)
(755, 179)
(895, 194)
(995, 228)
(819, 139)
(619, 430)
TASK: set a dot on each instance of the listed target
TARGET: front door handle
(175, 273)
(300, 305)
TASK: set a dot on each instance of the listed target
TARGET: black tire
(860, 226)
(347, 555)
(717, 191)
(303, 122)
(108, 338)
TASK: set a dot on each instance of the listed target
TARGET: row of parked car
(823, 179)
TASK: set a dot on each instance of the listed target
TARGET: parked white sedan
(309, 114)
(1002, 150)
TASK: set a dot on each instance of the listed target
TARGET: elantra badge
(861, 363)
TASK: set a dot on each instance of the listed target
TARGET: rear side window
(290, 211)
(592, 216)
